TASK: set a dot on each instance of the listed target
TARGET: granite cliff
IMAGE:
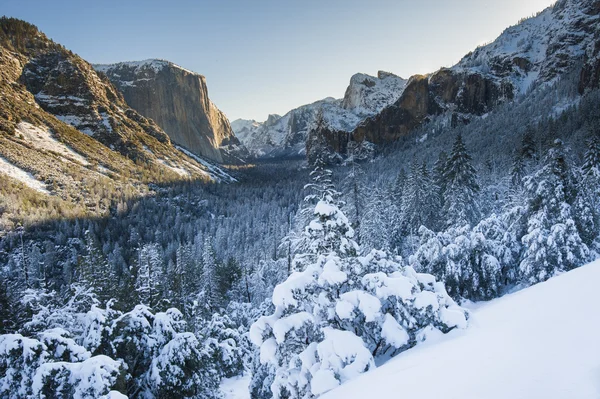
(177, 100)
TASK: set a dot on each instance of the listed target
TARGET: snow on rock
(24, 177)
(286, 135)
(42, 139)
(216, 173)
(541, 342)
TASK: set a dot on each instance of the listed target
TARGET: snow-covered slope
(541, 342)
(286, 135)
(541, 47)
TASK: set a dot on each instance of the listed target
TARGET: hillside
(535, 52)
(69, 143)
(540, 342)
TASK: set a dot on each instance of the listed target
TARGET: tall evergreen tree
(591, 163)
(210, 283)
(150, 275)
(461, 187)
(553, 242)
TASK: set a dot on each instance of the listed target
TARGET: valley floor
(541, 342)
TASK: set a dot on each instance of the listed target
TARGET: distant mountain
(67, 135)
(286, 135)
(535, 52)
(177, 100)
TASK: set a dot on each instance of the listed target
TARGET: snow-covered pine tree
(338, 312)
(150, 275)
(95, 271)
(210, 284)
(591, 163)
(461, 187)
(517, 171)
(553, 243)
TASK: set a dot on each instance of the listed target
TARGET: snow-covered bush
(156, 356)
(335, 315)
(475, 263)
(53, 366)
(226, 345)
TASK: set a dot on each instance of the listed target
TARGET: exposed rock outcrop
(535, 52)
(70, 129)
(177, 100)
(287, 135)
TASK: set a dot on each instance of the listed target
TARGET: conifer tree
(150, 276)
(210, 284)
(461, 187)
(553, 242)
(591, 163)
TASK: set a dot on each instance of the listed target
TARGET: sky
(266, 57)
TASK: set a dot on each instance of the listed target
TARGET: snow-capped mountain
(535, 52)
(177, 100)
(286, 135)
(540, 48)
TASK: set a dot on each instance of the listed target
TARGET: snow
(365, 96)
(180, 171)
(42, 139)
(154, 64)
(215, 172)
(325, 209)
(236, 387)
(343, 354)
(366, 303)
(393, 333)
(24, 177)
(541, 342)
(544, 40)
(77, 122)
(89, 378)
(294, 321)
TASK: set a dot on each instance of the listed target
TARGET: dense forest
(162, 293)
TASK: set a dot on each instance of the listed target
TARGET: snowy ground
(236, 387)
(542, 342)
(22, 176)
(42, 138)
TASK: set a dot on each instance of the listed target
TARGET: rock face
(535, 52)
(177, 100)
(53, 99)
(287, 135)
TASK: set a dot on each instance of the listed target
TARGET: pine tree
(210, 283)
(553, 242)
(342, 298)
(150, 275)
(517, 171)
(528, 150)
(461, 188)
(591, 163)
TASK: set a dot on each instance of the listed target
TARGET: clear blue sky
(265, 56)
